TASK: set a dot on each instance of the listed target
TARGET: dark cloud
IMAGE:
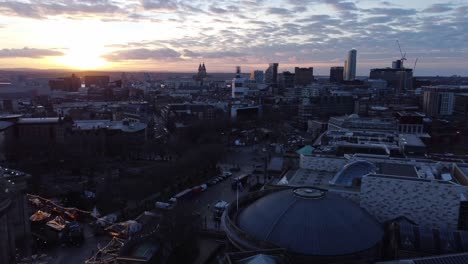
(164, 54)
(191, 54)
(29, 53)
(42, 9)
(392, 11)
(438, 8)
(278, 11)
(19, 9)
(218, 10)
(342, 5)
(379, 19)
(222, 54)
(165, 5)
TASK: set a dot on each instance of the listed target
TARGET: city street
(222, 191)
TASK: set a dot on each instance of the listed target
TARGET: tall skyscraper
(350, 66)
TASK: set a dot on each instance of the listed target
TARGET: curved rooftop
(305, 221)
(352, 171)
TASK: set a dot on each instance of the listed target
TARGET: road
(203, 204)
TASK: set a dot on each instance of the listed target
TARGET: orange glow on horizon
(82, 58)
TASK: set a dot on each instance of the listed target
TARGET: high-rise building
(271, 74)
(350, 66)
(398, 64)
(336, 74)
(286, 82)
(440, 100)
(257, 76)
(303, 76)
(238, 85)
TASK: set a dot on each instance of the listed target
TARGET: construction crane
(414, 66)
(403, 56)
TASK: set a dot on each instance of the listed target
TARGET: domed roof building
(313, 225)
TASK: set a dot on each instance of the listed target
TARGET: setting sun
(83, 58)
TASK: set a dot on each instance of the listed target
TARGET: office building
(461, 105)
(336, 74)
(324, 107)
(410, 122)
(271, 75)
(239, 86)
(397, 77)
(303, 76)
(257, 76)
(68, 84)
(440, 100)
(97, 81)
(286, 82)
(398, 64)
(350, 66)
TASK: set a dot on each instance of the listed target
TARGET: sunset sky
(169, 35)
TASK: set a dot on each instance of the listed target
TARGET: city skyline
(156, 35)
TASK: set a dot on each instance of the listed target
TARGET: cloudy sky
(175, 35)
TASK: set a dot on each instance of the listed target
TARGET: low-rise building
(430, 193)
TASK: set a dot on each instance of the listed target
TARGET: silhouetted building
(336, 74)
(15, 230)
(350, 66)
(188, 113)
(105, 137)
(286, 81)
(244, 112)
(461, 105)
(239, 86)
(398, 64)
(68, 84)
(410, 122)
(97, 81)
(324, 107)
(400, 79)
(201, 75)
(258, 76)
(439, 100)
(271, 76)
(303, 76)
